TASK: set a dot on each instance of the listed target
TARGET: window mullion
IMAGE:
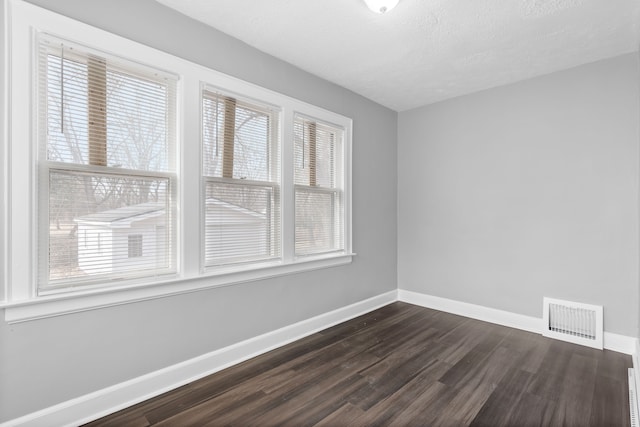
(287, 189)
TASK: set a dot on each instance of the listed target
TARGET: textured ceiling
(424, 51)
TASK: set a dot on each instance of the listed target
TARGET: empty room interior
(323, 212)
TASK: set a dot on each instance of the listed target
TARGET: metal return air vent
(633, 399)
(573, 322)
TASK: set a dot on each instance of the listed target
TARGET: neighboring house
(134, 237)
(126, 238)
(227, 222)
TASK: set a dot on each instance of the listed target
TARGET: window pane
(107, 225)
(136, 123)
(240, 154)
(131, 129)
(250, 127)
(110, 215)
(241, 223)
(318, 228)
(315, 153)
(318, 196)
(67, 124)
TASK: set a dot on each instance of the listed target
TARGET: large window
(134, 174)
(106, 166)
(240, 155)
(318, 187)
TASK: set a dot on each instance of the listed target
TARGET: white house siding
(94, 248)
(235, 233)
(103, 239)
(152, 246)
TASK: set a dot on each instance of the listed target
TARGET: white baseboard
(111, 399)
(614, 342)
(620, 343)
(478, 312)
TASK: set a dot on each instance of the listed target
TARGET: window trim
(274, 164)
(5, 163)
(99, 66)
(63, 304)
(20, 300)
(338, 178)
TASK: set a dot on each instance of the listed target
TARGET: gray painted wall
(45, 362)
(525, 191)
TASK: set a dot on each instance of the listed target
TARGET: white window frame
(274, 171)
(46, 166)
(4, 151)
(18, 287)
(338, 187)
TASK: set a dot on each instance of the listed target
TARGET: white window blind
(318, 170)
(240, 146)
(107, 167)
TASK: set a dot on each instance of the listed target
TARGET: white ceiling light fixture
(381, 6)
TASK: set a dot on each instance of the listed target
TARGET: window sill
(61, 304)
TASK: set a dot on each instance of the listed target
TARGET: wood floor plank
(550, 376)
(578, 384)
(464, 337)
(532, 349)
(532, 410)
(404, 365)
(389, 409)
(387, 377)
(314, 410)
(611, 365)
(499, 407)
(343, 416)
(277, 411)
(482, 358)
(606, 406)
(427, 407)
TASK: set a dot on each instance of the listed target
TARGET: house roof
(127, 214)
(231, 208)
(124, 213)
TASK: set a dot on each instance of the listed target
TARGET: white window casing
(319, 183)
(102, 189)
(241, 180)
(106, 164)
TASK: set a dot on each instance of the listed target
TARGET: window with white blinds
(318, 170)
(241, 164)
(137, 174)
(107, 167)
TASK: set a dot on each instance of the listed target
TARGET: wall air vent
(633, 399)
(573, 322)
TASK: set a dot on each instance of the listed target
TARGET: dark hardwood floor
(407, 366)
